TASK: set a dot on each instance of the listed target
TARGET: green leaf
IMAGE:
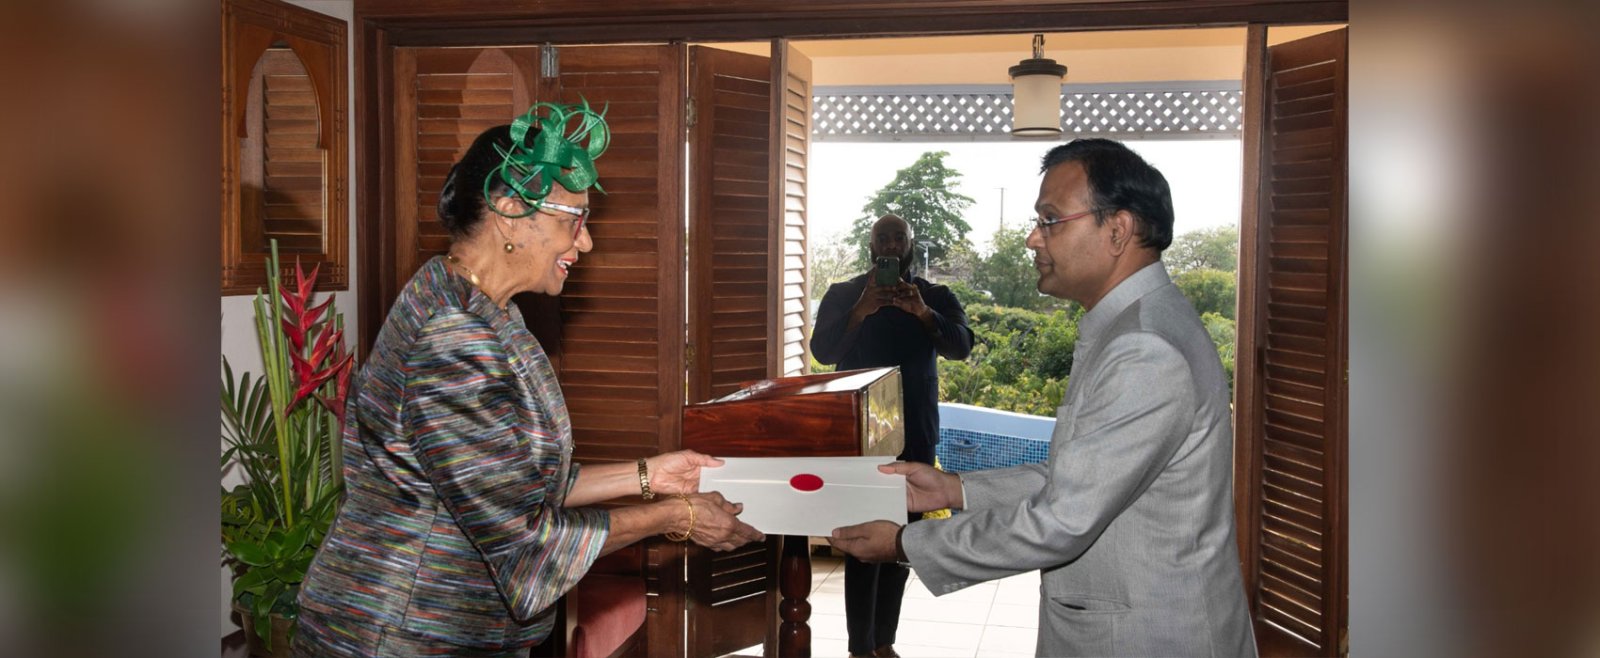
(262, 612)
(288, 574)
(295, 539)
(251, 553)
(251, 581)
(274, 544)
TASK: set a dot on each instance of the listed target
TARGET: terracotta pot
(280, 634)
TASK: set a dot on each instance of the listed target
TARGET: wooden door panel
(789, 345)
(443, 99)
(1291, 450)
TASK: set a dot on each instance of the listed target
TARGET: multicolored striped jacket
(457, 458)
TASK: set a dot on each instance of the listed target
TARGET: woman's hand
(716, 523)
(678, 472)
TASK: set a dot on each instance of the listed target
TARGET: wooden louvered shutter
(730, 226)
(290, 205)
(622, 310)
(444, 97)
(790, 346)
(1291, 451)
(732, 229)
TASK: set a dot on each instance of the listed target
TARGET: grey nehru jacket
(1130, 518)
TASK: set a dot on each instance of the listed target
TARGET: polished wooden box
(732, 599)
(850, 413)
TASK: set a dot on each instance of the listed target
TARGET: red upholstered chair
(606, 617)
(603, 617)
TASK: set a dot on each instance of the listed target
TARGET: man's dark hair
(1121, 180)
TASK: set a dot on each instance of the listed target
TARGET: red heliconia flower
(341, 383)
(312, 370)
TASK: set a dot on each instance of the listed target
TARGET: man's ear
(1123, 231)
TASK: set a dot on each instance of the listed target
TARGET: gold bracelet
(686, 533)
(644, 481)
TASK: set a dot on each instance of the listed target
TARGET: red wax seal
(805, 482)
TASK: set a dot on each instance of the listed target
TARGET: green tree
(1007, 272)
(924, 195)
(831, 263)
(1210, 291)
(1206, 249)
(1019, 363)
(1223, 334)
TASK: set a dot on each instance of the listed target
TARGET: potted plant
(282, 432)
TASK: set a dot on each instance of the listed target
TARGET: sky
(1205, 176)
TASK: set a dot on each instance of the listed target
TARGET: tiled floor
(992, 620)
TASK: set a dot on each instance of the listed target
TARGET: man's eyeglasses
(1045, 223)
(582, 214)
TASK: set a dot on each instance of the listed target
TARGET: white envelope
(847, 491)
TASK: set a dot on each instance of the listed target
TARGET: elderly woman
(465, 518)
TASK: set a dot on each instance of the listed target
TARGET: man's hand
(927, 488)
(873, 541)
(873, 297)
(679, 471)
(908, 298)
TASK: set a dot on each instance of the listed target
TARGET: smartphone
(888, 271)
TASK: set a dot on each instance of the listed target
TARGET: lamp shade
(1036, 94)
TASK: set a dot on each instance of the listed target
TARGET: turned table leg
(794, 583)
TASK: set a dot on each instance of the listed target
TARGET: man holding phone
(887, 317)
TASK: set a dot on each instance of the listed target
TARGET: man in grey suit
(1130, 518)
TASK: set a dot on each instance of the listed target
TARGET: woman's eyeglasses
(582, 214)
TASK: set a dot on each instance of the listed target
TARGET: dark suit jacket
(892, 337)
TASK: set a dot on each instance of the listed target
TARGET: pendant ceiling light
(1036, 94)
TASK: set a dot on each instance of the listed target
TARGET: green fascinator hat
(570, 139)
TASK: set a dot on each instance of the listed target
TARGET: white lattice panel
(1173, 110)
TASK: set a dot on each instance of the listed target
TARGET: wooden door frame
(382, 25)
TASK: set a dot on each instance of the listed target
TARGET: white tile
(925, 651)
(964, 637)
(916, 590)
(830, 587)
(1014, 615)
(1000, 639)
(1021, 588)
(827, 647)
(979, 594)
(827, 604)
(828, 625)
(943, 610)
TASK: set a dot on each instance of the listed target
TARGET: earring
(510, 248)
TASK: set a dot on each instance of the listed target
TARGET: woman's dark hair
(461, 202)
(1121, 180)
